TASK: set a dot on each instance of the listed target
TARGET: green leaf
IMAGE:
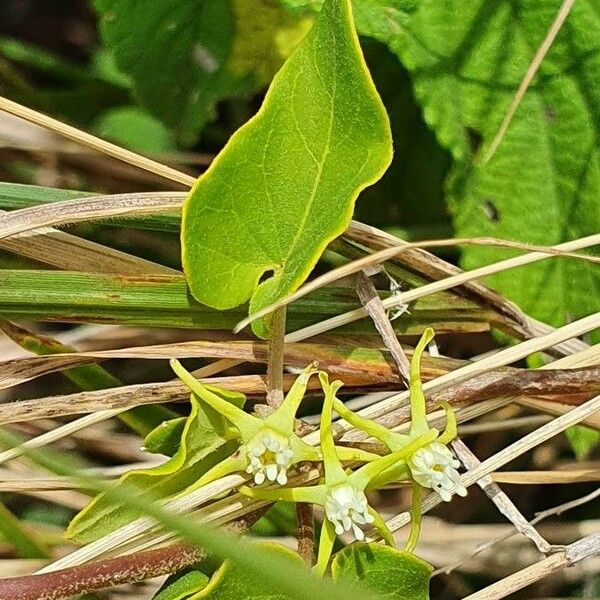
(285, 184)
(25, 543)
(583, 440)
(166, 438)
(133, 128)
(266, 34)
(204, 443)
(230, 583)
(543, 184)
(175, 52)
(388, 572)
(182, 585)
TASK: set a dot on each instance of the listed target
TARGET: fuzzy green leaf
(390, 573)
(543, 184)
(203, 444)
(285, 184)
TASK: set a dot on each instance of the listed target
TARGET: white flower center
(347, 508)
(269, 457)
(435, 467)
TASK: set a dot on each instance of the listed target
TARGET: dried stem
(374, 306)
(572, 554)
(130, 568)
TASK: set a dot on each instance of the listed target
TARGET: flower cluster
(269, 448)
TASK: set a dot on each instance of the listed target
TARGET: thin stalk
(275, 363)
(306, 532)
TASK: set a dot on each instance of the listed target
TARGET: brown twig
(372, 302)
(99, 575)
(570, 384)
(131, 568)
(306, 532)
(503, 503)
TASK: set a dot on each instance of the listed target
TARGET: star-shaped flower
(342, 494)
(432, 466)
(269, 446)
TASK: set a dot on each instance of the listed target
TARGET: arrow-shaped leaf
(286, 182)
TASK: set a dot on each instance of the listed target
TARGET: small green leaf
(232, 584)
(166, 438)
(135, 129)
(583, 440)
(203, 444)
(390, 573)
(285, 184)
(266, 34)
(182, 585)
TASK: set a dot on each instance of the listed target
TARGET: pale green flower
(431, 466)
(269, 447)
(341, 494)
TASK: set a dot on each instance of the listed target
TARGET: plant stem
(131, 568)
(370, 299)
(99, 575)
(306, 532)
(275, 364)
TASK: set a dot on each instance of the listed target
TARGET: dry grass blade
(86, 209)
(339, 360)
(434, 268)
(539, 517)
(72, 253)
(541, 52)
(59, 433)
(535, 254)
(500, 359)
(547, 477)
(503, 503)
(90, 141)
(572, 554)
(253, 386)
